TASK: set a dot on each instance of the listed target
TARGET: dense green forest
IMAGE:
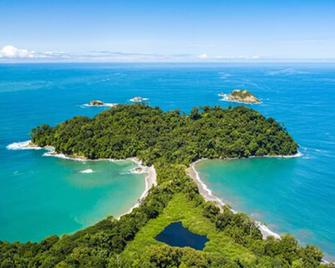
(170, 141)
(171, 137)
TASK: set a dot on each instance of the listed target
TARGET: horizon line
(281, 60)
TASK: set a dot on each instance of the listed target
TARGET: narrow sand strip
(150, 178)
(209, 196)
(150, 181)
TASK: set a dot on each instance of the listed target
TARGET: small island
(99, 103)
(240, 96)
(96, 103)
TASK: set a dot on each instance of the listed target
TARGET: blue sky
(167, 30)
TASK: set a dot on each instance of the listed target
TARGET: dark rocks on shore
(96, 103)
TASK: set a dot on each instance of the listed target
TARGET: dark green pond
(176, 235)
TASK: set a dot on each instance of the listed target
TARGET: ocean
(42, 195)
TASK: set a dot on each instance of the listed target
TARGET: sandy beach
(150, 181)
(209, 196)
(150, 177)
(203, 189)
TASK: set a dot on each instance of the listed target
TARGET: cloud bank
(10, 53)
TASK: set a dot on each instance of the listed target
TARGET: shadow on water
(176, 235)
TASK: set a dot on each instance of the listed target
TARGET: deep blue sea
(290, 195)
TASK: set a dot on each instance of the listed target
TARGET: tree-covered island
(241, 96)
(170, 141)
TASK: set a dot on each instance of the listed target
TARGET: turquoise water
(290, 195)
(278, 192)
(41, 195)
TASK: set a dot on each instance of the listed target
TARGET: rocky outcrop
(240, 95)
(96, 103)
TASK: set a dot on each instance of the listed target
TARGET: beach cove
(67, 194)
(258, 187)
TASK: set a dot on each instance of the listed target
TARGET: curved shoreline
(150, 178)
(209, 196)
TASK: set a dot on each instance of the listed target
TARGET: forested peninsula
(170, 141)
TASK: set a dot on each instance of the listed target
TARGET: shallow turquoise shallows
(44, 195)
(41, 195)
(273, 191)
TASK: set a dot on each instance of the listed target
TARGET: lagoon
(176, 235)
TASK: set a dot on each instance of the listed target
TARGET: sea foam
(52, 153)
(298, 154)
(103, 105)
(23, 145)
(87, 171)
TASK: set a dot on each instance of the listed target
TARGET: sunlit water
(290, 195)
(41, 196)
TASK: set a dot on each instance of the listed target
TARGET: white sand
(150, 181)
(209, 196)
(150, 178)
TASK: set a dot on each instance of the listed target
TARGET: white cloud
(203, 56)
(12, 52)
